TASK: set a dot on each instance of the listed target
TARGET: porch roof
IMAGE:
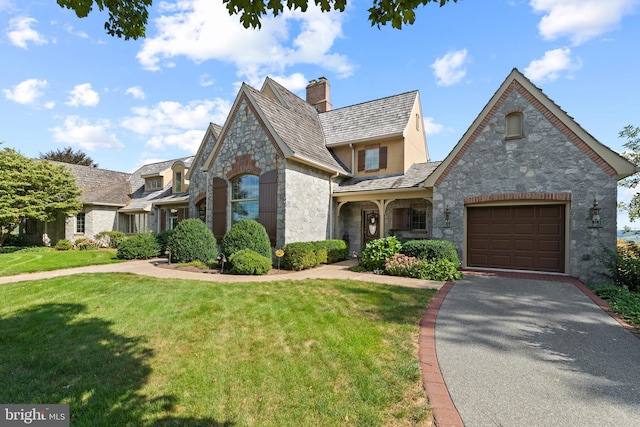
(413, 178)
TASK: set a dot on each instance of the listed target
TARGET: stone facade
(306, 208)
(543, 166)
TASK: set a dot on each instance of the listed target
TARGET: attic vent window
(514, 126)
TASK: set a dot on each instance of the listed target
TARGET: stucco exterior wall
(544, 161)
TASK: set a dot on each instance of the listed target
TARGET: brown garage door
(516, 237)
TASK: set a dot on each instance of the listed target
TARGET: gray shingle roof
(296, 123)
(373, 119)
(100, 186)
(413, 178)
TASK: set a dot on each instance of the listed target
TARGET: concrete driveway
(520, 352)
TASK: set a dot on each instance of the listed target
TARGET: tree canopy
(68, 155)
(128, 18)
(632, 135)
(33, 189)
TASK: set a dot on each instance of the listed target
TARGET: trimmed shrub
(336, 250)
(247, 262)
(163, 239)
(138, 246)
(246, 234)
(299, 256)
(436, 269)
(431, 249)
(64, 245)
(111, 238)
(191, 241)
(623, 265)
(375, 254)
(86, 244)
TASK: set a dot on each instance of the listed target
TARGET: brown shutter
(383, 158)
(360, 160)
(163, 219)
(268, 203)
(401, 219)
(219, 211)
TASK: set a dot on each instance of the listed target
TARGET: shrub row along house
(525, 188)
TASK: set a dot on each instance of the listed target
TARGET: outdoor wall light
(594, 215)
(447, 218)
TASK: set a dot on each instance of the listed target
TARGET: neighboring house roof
(608, 160)
(380, 118)
(142, 200)
(413, 178)
(100, 186)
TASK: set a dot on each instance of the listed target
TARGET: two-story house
(525, 188)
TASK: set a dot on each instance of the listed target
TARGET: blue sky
(64, 81)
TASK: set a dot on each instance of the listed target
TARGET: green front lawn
(29, 261)
(130, 350)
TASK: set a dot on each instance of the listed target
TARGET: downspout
(353, 158)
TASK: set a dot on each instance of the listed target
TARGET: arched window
(514, 125)
(245, 192)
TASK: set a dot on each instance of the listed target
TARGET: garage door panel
(516, 237)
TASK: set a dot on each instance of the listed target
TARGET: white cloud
(136, 92)
(87, 135)
(83, 95)
(7, 6)
(450, 69)
(26, 92)
(70, 30)
(580, 20)
(432, 128)
(171, 123)
(551, 65)
(20, 32)
(206, 80)
(202, 30)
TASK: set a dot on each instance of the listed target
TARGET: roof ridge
(372, 100)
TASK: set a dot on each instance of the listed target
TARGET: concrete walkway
(150, 268)
(522, 352)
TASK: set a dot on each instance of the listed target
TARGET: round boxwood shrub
(246, 234)
(138, 246)
(64, 245)
(376, 252)
(246, 261)
(431, 250)
(192, 241)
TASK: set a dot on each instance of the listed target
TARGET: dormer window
(154, 183)
(514, 126)
(177, 182)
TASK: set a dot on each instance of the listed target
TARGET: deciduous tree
(128, 18)
(33, 189)
(632, 135)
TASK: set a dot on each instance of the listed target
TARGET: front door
(371, 226)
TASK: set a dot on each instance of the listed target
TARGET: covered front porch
(363, 217)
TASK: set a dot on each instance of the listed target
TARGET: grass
(621, 301)
(47, 259)
(129, 350)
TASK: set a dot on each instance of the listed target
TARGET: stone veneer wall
(198, 181)
(96, 220)
(306, 208)
(245, 137)
(545, 162)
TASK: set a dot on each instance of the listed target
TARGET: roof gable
(609, 161)
(290, 123)
(375, 119)
(213, 132)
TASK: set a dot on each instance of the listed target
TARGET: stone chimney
(318, 94)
